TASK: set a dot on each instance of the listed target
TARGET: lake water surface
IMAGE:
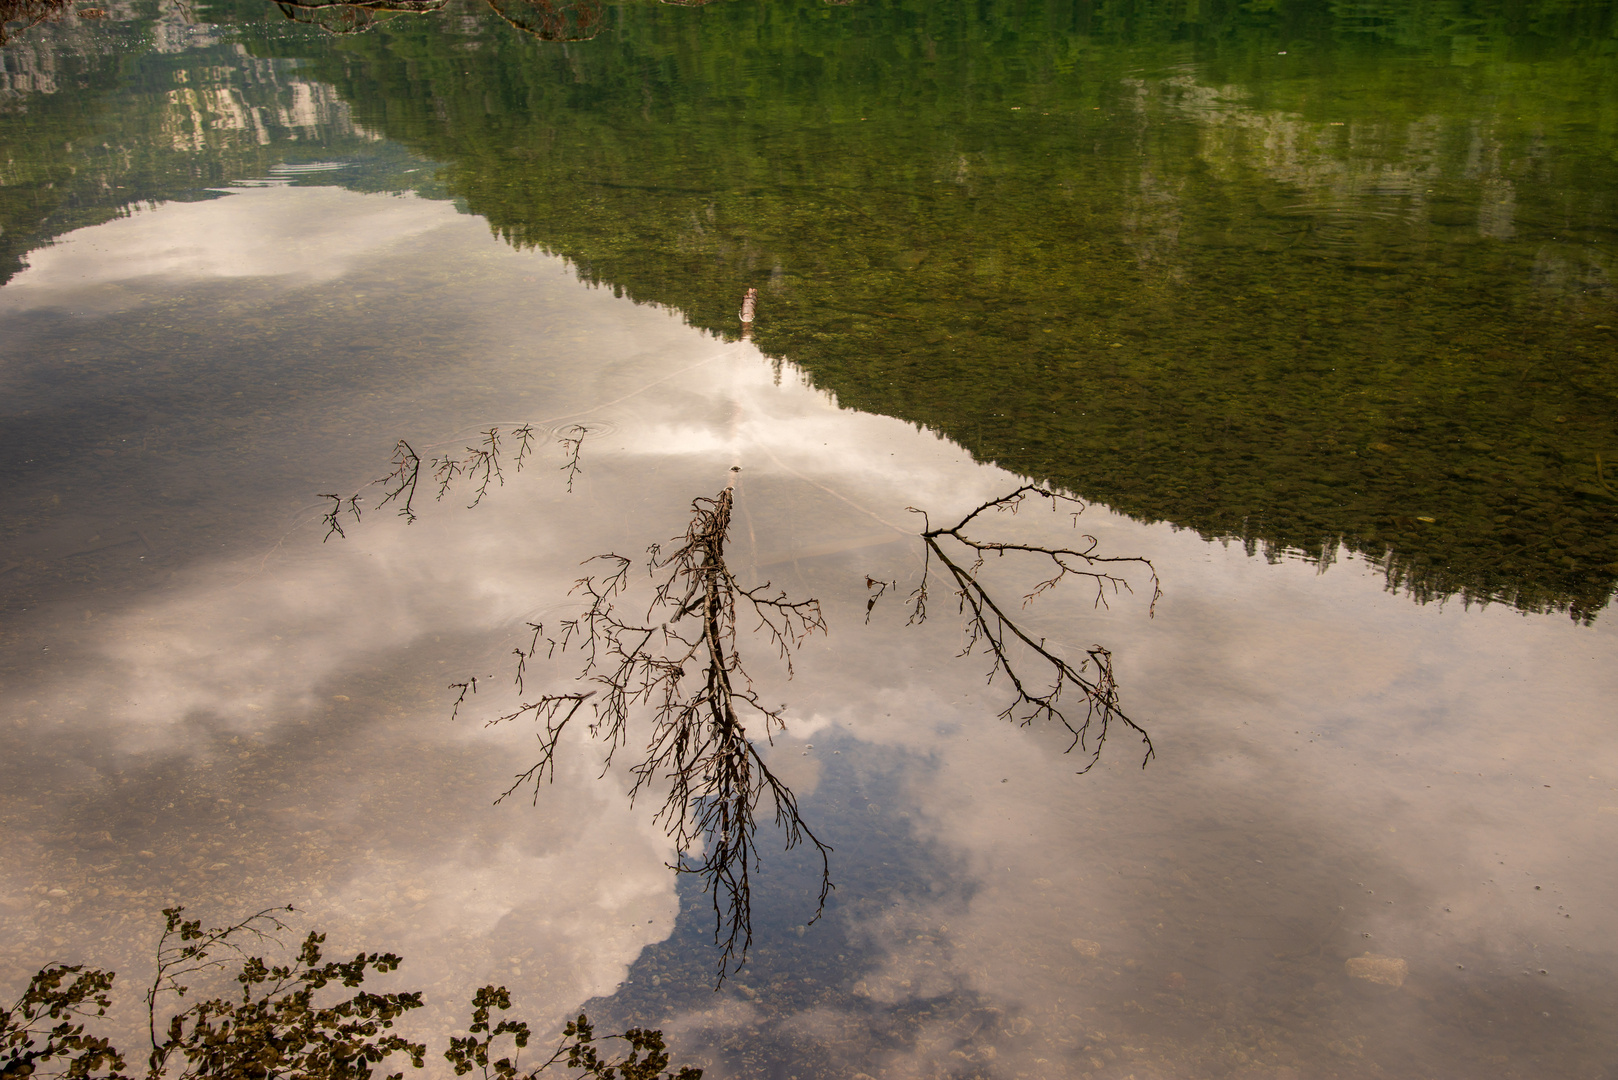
(1312, 304)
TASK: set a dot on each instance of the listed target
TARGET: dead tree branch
(680, 667)
(550, 20)
(990, 628)
(483, 465)
(353, 16)
(573, 442)
(30, 13)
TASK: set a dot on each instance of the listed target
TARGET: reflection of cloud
(262, 651)
(247, 233)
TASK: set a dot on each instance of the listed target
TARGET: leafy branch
(277, 1027)
(46, 1024)
(647, 1058)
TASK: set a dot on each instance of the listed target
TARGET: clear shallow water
(207, 705)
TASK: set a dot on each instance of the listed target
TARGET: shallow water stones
(1383, 970)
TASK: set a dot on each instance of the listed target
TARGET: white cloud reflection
(309, 234)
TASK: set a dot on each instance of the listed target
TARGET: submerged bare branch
(552, 20)
(353, 16)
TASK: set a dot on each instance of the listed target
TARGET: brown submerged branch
(16, 16)
(990, 628)
(568, 20)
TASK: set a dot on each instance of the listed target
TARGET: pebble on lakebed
(1386, 970)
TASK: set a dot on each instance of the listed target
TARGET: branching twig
(578, 1048)
(573, 442)
(549, 711)
(470, 686)
(876, 590)
(186, 949)
(334, 517)
(990, 628)
(482, 464)
(401, 481)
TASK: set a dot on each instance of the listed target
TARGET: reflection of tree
(281, 1021)
(990, 629)
(680, 663)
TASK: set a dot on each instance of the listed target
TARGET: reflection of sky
(310, 235)
(1340, 771)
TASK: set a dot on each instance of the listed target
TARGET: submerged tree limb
(548, 20)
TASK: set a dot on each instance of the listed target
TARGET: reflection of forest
(1111, 246)
(1291, 275)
